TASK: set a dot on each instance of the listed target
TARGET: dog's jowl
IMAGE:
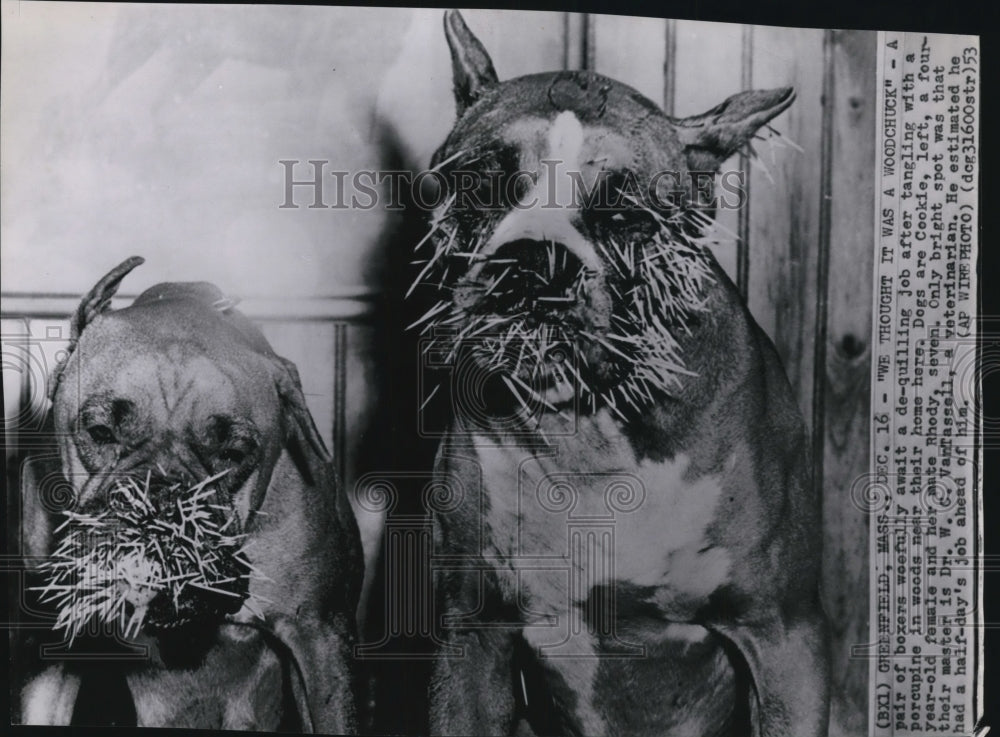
(633, 541)
(206, 526)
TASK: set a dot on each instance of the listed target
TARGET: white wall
(157, 130)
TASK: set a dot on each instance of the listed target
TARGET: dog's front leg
(322, 652)
(789, 665)
(48, 698)
(471, 692)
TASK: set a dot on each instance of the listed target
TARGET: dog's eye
(233, 456)
(101, 434)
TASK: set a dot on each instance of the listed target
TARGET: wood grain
(707, 68)
(310, 345)
(847, 372)
(632, 50)
(783, 238)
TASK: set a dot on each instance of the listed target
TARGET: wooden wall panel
(15, 369)
(632, 50)
(521, 42)
(707, 68)
(310, 345)
(808, 257)
(783, 238)
(49, 338)
(708, 59)
(846, 424)
(414, 105)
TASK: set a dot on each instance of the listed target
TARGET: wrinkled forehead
(182, 363)
(620, 127)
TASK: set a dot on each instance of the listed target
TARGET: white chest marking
(570, 523)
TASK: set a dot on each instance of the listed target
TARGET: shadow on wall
(395, 451)
(406, 132)
(157, 129)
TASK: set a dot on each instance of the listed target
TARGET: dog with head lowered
(161, 395)
(631, 543)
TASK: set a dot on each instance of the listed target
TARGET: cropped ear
(293, 403)
(471, 66)
(712, 137)
(98, 299)
(95, 302)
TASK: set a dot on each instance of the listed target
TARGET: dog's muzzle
(536, 279)
(176, 499)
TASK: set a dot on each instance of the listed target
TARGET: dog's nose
(543, 259)
(528, 233)
(165, 489)
(525, 274)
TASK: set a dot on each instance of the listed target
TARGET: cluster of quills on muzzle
(134, 564)
(522, 315)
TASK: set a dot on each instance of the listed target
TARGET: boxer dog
(631, 544)
(179, 387)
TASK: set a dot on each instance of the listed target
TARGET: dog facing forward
(177, 388)
(633, 546)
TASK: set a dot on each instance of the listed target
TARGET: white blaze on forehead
(546, 208)
(565, 142)
(552, 150)
(566, 139)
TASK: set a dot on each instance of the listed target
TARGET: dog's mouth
(144, 564)
(194, 572)
(171, 610)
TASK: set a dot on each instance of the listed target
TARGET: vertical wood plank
(784, 218)
(669, 67)
(50, 338)
(310, 346)
(707, 68)
(708, 59)
(631, 50)
(45, 344)
(578, 41)
(508, 34)
(743, 216)
(847, 372)
(16, 367)
(589, 48)
(414, 99)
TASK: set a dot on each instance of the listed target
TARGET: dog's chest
(587, 518)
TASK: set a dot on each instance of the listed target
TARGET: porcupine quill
(662, 284)
(119, 559)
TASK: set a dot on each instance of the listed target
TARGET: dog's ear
(293, 402)
(94, 303)
(471, 66)
(712, 137)
(98, 299)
